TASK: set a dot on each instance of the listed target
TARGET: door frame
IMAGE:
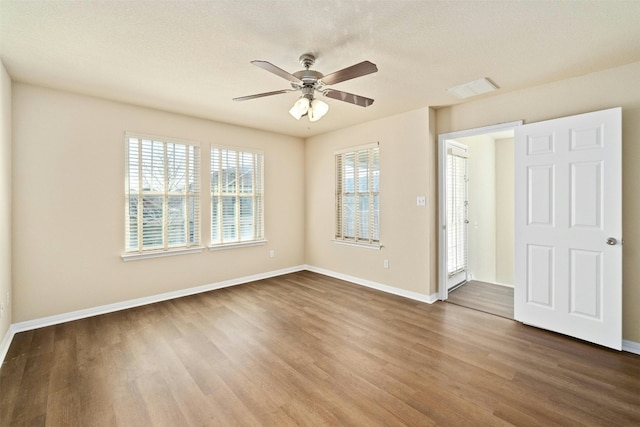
(443, 292)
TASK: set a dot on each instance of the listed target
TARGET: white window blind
(358, 195)
(237, 196)
(456, 212)
(162, 201)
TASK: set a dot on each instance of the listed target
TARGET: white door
(568, 226)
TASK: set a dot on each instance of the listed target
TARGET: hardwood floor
(305, 349)
(487, 297)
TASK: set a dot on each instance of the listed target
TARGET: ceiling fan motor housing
(310, 78)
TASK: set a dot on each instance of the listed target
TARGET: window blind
(358, 195)
(456, 212)
(162, 194)
(237, 196)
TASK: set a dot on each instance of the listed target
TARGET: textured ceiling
(194, 57)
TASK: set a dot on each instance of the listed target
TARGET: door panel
(568, 203)
(540, 276)
(541, 184)
(586, 195)
(586, 283)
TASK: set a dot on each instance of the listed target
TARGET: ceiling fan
(308, 82)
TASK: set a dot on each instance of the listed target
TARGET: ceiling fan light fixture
(300, 108)
(317, 110)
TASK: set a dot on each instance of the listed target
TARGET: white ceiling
(193, 57)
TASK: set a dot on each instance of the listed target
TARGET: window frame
(191, 193)
(457, 232)
(341, 236)
(256, 196)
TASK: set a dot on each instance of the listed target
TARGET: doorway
(568, 224)
(476, 221)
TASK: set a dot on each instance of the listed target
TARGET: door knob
(612, 241)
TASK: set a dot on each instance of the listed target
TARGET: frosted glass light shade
(299, 108)
(317, 110)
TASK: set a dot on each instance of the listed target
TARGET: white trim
(137, 302)
(109, 308)
(457, 151)
(429, 299)
(134, 256)
(375, 246)
(481, 130)
(236, 148)
(158, 138)
(6, 342)
(357, 148)
(631, 346)
(223, 246)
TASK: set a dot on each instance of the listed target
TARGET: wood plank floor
(487, 297)
(305, 349)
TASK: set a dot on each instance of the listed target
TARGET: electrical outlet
(386, 263)
(1, 309)
(421, 201)
(272, 253)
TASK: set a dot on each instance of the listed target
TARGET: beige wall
(5, 199)
(407, 170)
(504, 211)
(68, 218)
(68, 189)
(610, 88)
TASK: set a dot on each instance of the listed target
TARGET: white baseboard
(429, 299)
(631, 346)
(109, 308)
(5, 343)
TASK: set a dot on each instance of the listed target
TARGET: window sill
(237, 245)
(374, 246)
(134, 256)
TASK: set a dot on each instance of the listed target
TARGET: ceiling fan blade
(348, 97)
(268, 66)
(361, 69)
(260, 95)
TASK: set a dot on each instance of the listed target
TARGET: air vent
(476, 87)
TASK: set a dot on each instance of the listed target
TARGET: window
(162, 202)
(237, 200)
(358, 195)
(456, 211)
